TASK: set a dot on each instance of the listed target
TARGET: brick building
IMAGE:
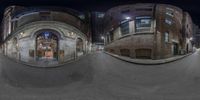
(149, 31)
(97, 26)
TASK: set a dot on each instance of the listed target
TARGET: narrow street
(99, 76)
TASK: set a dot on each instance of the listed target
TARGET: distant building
(0, 39)
(187, 31)
(97, 26)
(41, 34)
(97, 47)
(196, 35)
(148, 31)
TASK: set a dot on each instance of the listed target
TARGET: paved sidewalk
(44, 65)
(148, 61)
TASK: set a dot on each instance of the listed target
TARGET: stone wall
(26, 41)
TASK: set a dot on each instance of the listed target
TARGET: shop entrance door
(47, 46)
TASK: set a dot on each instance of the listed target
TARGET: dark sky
(191, 6)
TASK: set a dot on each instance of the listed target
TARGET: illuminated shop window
(143, 24)
(47, 45)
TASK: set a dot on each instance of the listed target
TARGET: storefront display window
(47, 45)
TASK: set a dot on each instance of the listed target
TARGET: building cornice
(44, 23)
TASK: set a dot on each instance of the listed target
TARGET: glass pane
(47, 44)
(125, 28)
(143, 24)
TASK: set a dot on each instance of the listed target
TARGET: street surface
(99, 76)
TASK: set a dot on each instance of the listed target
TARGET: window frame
(139, 29)
(166, 37)
(169, 12)
(168, 21)
(128, 30)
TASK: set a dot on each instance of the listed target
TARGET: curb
(147, 62)
(37, 66)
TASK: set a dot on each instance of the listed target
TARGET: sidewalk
(148, 61)
(44, 65)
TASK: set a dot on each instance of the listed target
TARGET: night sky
(191, 6)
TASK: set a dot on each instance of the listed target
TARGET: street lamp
(192, 41)
(103, 38)
(128, 18)
(22, 33)
(191, 38)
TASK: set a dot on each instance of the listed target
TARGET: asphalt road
(99, 76)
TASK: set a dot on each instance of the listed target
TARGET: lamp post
(128, 18)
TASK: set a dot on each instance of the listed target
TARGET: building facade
(148, 31)
(188, 32)
(97, 47)
(41, 35)
(196, 35)
(97, 26)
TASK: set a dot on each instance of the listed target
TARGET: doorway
(47, 46)
(187, 48)
(175, 48)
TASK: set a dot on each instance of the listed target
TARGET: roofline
(125, 5)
